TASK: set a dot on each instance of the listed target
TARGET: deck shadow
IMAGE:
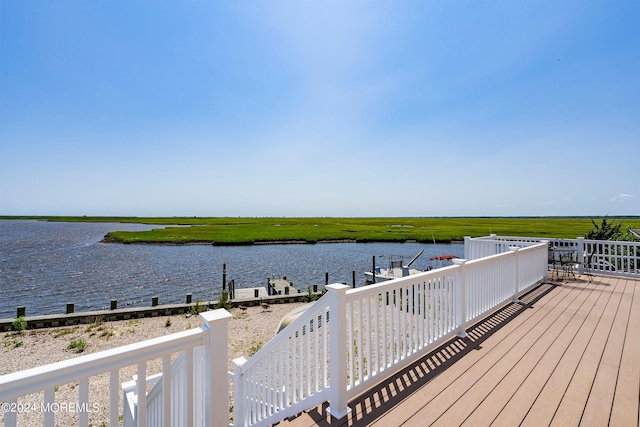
(375, 402)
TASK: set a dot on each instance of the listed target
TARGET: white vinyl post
(240, 414)
(516, 272)
(581, 258)
(338, 351)
(216, 383)
(467, 247)
(461, 297)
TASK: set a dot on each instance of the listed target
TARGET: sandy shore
(248, 330)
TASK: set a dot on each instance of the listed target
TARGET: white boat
(396, 270)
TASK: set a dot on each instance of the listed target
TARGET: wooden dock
(567, 355)
(275, 287)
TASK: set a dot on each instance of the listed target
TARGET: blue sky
(325, 108)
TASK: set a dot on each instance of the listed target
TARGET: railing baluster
(376, 332)
(368, 321)
(188, 385)
(83, 400)
(49, 398)
(287, 372)
(114, 393)
(142, 394)
(11, 417)
(384, 334)
(359, 346)
(166, 390)
(410, 314)
(325, 353)
(350, 346)
(308, 359)
(301, 365)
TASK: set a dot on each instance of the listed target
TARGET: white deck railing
(215, 403)
(599, 256)
(352, 339)
(289, 374)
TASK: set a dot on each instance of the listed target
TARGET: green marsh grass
(247, 231)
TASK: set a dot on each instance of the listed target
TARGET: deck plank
(599, 405)
(571, 357)
(554, 369)
(547, 401)
(450, 388)
(625, 411)
(510, 401)
(575, 399)
(531, 346)
(515, 313)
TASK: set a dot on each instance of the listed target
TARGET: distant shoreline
(196, 243)
(249, 231)
(272, 242)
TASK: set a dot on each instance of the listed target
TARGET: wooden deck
(568, 355)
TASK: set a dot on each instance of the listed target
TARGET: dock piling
(70, 308)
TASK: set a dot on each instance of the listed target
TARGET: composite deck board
(472, 366)
(533, 342)
(509, 401)
(577, 393)
(546, 403)
(569, 355)
(599, 405)
(625, 402)
(566, 345)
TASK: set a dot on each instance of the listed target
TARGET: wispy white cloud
(621, 197)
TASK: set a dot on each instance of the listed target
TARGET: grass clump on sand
(78, 345)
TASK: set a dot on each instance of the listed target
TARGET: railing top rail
(375, 289)
(613, 242)
(38, 378)
(544, 244)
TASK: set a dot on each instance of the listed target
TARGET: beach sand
(249, 329)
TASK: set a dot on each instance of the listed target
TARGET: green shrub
(197, 308)
(224, 301)
(19, 325)
(310, 296)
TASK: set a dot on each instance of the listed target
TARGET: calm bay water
(45, 265)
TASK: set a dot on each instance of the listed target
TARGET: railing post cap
(239, 361)
(337, 287)
(214, 315)
(514, 248)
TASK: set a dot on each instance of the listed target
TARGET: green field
(246, 231)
